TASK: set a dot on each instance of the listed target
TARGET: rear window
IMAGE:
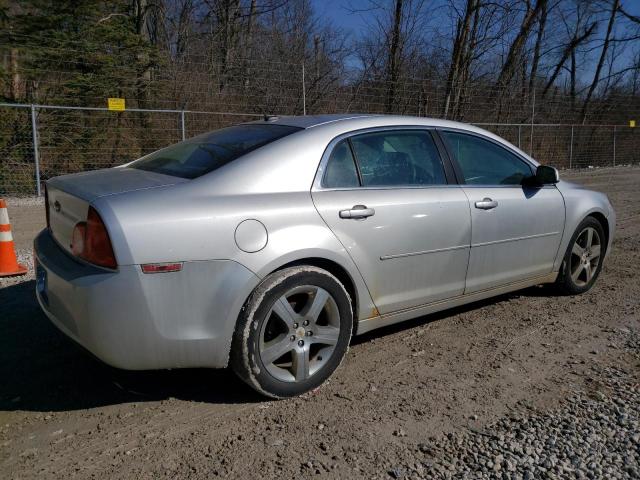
(208, 152)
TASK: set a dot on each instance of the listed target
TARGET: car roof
(352, 121)
(290, 163)
(348, 122)
(309, 121)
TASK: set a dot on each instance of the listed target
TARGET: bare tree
(583, 29)
(466, 30)
(535, 61)
(615, 5)
(517, 46)
(393, 61)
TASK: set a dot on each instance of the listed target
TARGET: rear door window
(398, 158)
(341, 168)
(206, 153)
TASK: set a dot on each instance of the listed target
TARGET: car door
(387, 197)
(516, 226)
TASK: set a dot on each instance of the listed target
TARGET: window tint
(398, 158)
(341, 169)
(205, 153)
(485, 163)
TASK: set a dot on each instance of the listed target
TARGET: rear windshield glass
(205, 153)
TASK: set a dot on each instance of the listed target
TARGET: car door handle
(357, 211)
(486, 204)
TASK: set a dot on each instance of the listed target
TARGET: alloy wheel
(300, 333)
(585, 256)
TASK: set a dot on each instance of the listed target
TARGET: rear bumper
(139, 321)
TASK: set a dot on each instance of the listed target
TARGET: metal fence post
(36, 155)
(571, 150)
(614, 145)
(182, 125)
(519, 136)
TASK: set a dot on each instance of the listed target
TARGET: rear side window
(398, 158)
(208, 152)
(484, 163)
(341, 168)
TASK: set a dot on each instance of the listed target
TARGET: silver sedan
(265, 246)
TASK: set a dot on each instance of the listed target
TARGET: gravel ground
(24, 201)
(525, 385)
(592, 436)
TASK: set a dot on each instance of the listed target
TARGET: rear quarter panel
(179, 223)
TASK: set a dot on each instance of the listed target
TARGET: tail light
(90, 241)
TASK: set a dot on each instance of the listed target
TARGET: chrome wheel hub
(300, 333)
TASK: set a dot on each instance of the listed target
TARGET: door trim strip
(424, 252)
(515, 239)
(459, 247)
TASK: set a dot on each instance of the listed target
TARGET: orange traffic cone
(8, 262)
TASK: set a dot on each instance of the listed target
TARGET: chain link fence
(38, 142)
(573, 146)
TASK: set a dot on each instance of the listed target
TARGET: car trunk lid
(70, 196)
(112, 181)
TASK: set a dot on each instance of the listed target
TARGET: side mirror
(547, 175)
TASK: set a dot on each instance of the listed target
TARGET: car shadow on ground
(536, 291)
(42, 370)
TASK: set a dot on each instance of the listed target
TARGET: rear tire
(583, 259)
(293, 332)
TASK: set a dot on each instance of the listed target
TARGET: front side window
(208, 152)
(398, 158)
(484, 163)
(341, 168)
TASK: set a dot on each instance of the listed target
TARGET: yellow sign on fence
(632, 123)
(116, 104)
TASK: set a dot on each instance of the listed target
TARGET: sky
(339, 12)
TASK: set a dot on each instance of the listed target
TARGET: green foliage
(89, 49)
(69, 53)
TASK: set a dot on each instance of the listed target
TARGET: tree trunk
(515, 51)
(460, 46)
(572, 80)
(393, 63)
(573, 44)
(140, 10)
(603, 55)
(542, 23)
(15, 88)
(227, 17)
(249, 44)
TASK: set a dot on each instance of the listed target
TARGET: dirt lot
(400, 395)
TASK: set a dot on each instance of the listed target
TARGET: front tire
(293, 332)
(583, 259)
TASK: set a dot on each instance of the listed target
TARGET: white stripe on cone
(4, 216)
